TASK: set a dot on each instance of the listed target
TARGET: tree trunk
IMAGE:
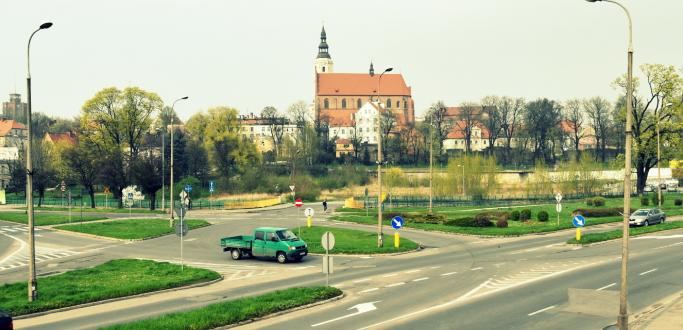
(41, 194)
(91, 192)
(153, 200)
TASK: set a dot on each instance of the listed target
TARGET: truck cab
(266, 242)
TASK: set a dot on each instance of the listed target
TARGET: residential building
(14, 109)
(259, 131)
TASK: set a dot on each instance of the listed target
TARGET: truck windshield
(286, 235)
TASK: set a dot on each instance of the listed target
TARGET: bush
(542, 216)
(525, 215)
(678, 202)
(470, 222)
(599, 213)
(599, 201)
(514, 215)
(644, 201)
(502, 223)
(493, 215)
(589, 201)
(655, 199)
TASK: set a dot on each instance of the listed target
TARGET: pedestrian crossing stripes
(231, 272)
(18, 229)
(42, 254)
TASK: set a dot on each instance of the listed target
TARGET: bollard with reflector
(397, 240)
(309, 221)
(578, 234)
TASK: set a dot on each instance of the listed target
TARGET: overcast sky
(250, 54)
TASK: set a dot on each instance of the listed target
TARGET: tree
(81, 160)
(662, 106)
(467, 117)
(542, 118)
(44, 172)
(574, 117)
(511, 113)
(147, 174)
(492, 120)
(598, 110)
(276, 126)
(167, 115)
(41, 124)
(437, 116)
(387, 124)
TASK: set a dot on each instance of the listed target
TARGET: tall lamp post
(622, 319)
(32, 283)
(431, 161)
(163, 170)
(380, 239)
(172, 129)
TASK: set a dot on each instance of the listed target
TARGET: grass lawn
(42, 219)
(97, 210)
(615, 234)
(116, 278)
(515, 228)
(351, 241)
(234, 311)
(131, 229)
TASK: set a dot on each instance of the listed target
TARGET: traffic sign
(181, 211)
(130, 195)
(558, 197)
(211, 186)
(308, 212)
(327, 241)
(62, 186)
(579, 221)
(181, 230)
(558, 207)
(298, 202)
(291, 187)
(188, 187)
(397, 222)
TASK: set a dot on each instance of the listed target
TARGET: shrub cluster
(502, 223)
(678, 202)
(416, 217)
(599, 201)
(655, 199)
(589, 201)
(470, 222)
(599, 213)
(542, 216)
(644, 201)
(525, 215)
(514, 215)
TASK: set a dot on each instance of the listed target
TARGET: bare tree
(436, 115)
(387, 124)
(574, 117)
(511, 111)
(276, 125)
(598, 110)
(492, 120)
(467, 117)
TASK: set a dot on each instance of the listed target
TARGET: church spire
(372, 70)
(323, 48)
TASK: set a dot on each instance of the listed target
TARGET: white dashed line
(649, 271)
(390, 275)
(435, 267)
(448, 274)
(369, 290)
(420, 279)
(606, 286)
(361, 280)
(478, 268)
(667, 246)
(413, 271)
(395, 284)
(541, 310)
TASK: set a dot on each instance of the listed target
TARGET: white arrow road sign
(360, 309)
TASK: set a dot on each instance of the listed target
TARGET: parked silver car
(646, 217)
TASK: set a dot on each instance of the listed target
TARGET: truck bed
(241, 242)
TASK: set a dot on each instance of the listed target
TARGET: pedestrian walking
(325, 206)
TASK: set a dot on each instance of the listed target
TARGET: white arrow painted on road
(360, 309)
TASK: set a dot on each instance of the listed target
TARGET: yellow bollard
(397, 240)
(578, 234)
(309, 221)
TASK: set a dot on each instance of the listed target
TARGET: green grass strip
(615, 234)
(113, 279)
(234, 311)
(41, 219)
(98, 210)
(349, 241)
(132, 228)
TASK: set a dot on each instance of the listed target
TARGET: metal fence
(85, 202)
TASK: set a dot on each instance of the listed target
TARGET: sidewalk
(663, 315)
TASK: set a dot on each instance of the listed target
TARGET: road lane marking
(649, 271)
(666, 246)
(606, 286)
(478, 268)
(395, 284)
(413, 271)
(369, 290)
(435, 267)
(360, 309)
(448, 274)
(542, 310)
(420, 279)
(390, 275)
(191, 239)
(361, 280)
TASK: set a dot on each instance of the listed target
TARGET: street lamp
(431, 161)
(380, 239)
(622, 319)
(172, 129)
(32, 283)
(659, 167)
(163, 170)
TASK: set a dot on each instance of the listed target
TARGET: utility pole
(431, 160)
(380, 238)
(172, 129)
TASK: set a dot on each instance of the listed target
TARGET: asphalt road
(458, 282)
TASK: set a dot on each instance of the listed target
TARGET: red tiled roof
(338, 118)
(343, 141)
(7, 125)
(567, 126)
(458, 130)
(360, 84)
(66, 137)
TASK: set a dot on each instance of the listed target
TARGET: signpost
(298, 203)
(397, 223)
(130, 203)
(366, 201)
(291, 188)
(181, 228)
(327, 241)
(309, 216)
(68, 199)
(106, 194)
(212, 187)
(558, 207)
(578, 221)
(62, 187)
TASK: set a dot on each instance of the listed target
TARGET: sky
(251, 54)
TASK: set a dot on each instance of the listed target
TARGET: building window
(343, 103)
(358, 104)
(388, 103)
(323, 69)
(343, 131)
(326, 104)
(405, 104)
(398, 104)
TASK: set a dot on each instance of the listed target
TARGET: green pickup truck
(267, 242)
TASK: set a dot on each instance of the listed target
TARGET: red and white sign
(298, 202)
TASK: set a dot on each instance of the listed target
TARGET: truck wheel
(281, 257)
(235, 254)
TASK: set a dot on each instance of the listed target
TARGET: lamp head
(389, 70)
(593, 0)
(45, 25)
(184, 97)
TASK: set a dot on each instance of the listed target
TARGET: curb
(76, 233)
(616, 239)
(418, 249)
(339, 297)
(95, 303)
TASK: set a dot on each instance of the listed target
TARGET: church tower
(323, 62)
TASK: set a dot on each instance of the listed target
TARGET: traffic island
(238, 311)
(349, 241)
(113, 279)
(42, 219)
(131, 229)
(616, 234)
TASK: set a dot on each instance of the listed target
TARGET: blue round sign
(188, 188)
(579, 220)
(397, 222)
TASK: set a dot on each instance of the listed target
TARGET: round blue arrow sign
(579, 220)
(397, 222)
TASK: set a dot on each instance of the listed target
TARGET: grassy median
(234, 311)
(615, 234)
(349, 241)
(132, 228)
(98, 210)
(42, 219)
(113, 279)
